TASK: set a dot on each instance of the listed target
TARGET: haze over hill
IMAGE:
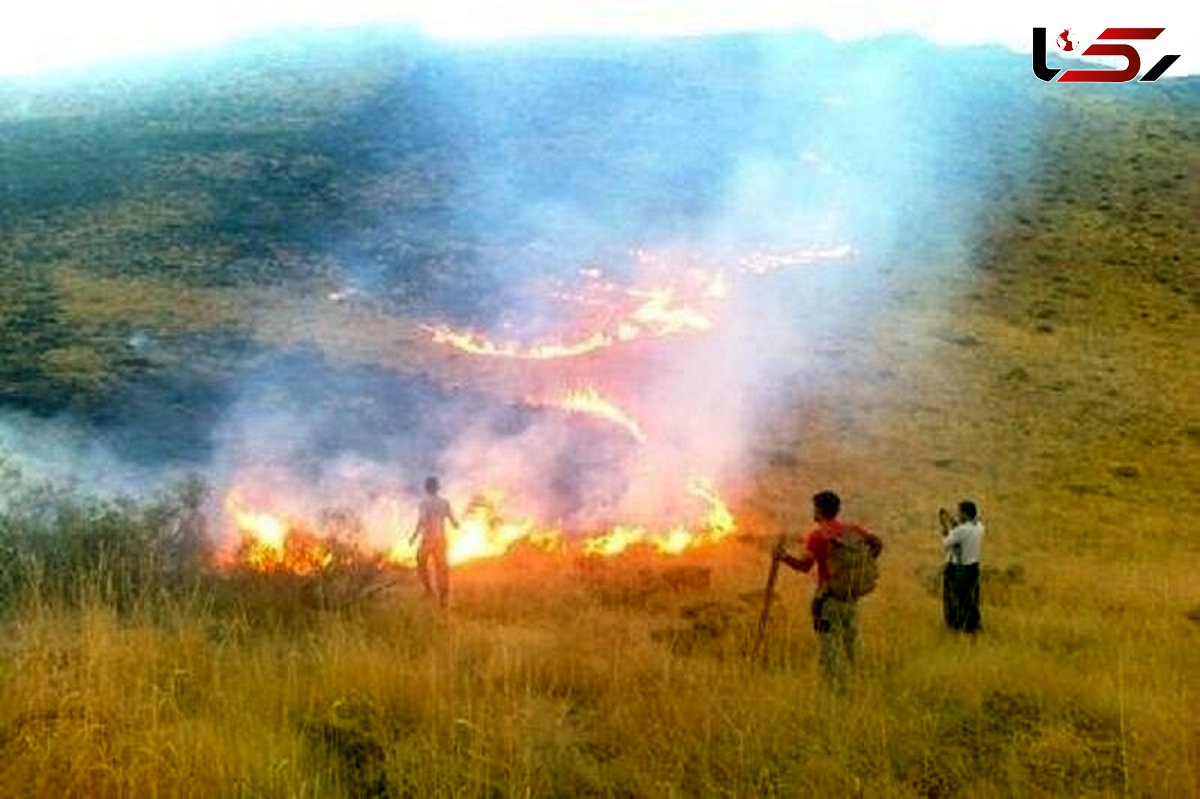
(167, 229)
(140, 207)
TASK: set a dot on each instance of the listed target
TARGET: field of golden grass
(553, 676)
(541, 684)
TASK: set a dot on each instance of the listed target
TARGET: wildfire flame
(760, 263)
(718, 524)
(590, 402)
(272, 543)
(614, 314)
(482, 533)
(655, 316)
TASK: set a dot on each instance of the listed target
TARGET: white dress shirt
(963, 543)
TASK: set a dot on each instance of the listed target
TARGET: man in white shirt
(961, 538)
(432, 515)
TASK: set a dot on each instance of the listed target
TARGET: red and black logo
(1133, 59)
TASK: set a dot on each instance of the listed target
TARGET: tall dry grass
(551, 679)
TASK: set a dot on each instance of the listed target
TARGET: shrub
(59, 548)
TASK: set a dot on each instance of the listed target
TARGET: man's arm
(416, 531)
(447, 513)
(874, 542)
(800, 564)
(953, 538)
(946, 520)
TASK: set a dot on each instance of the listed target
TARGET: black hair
(827, 504)
(431, 485)
(968, 510)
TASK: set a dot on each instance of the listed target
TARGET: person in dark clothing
(962, 537)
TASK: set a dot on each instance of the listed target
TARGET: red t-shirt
(816, 544)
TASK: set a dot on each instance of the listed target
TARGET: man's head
(431, 485)
(826, 505)
(967, 510)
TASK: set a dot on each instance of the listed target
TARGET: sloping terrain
(1030, 296)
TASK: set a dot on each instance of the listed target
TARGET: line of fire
(591, 378)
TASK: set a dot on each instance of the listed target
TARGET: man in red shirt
(834, 619)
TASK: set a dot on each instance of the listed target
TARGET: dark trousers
(960, 597)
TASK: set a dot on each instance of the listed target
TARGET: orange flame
(481, 534)
(590, 402)
(659, 317)
(655, 317)
(271, 543)
(719, 523)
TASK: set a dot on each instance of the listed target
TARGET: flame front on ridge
(590, 402)
(656, 316)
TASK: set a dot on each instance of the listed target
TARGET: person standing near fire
(432, 514)
(834, 617)
(962, 538)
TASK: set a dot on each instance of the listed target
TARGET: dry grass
(542, 683)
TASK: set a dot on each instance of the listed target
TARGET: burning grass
(656, 316)
(590, 402)
(670, 306)
(267, 541)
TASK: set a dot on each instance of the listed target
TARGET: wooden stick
(759, 652)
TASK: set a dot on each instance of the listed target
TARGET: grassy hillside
(296, 166)
(1047, 371)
